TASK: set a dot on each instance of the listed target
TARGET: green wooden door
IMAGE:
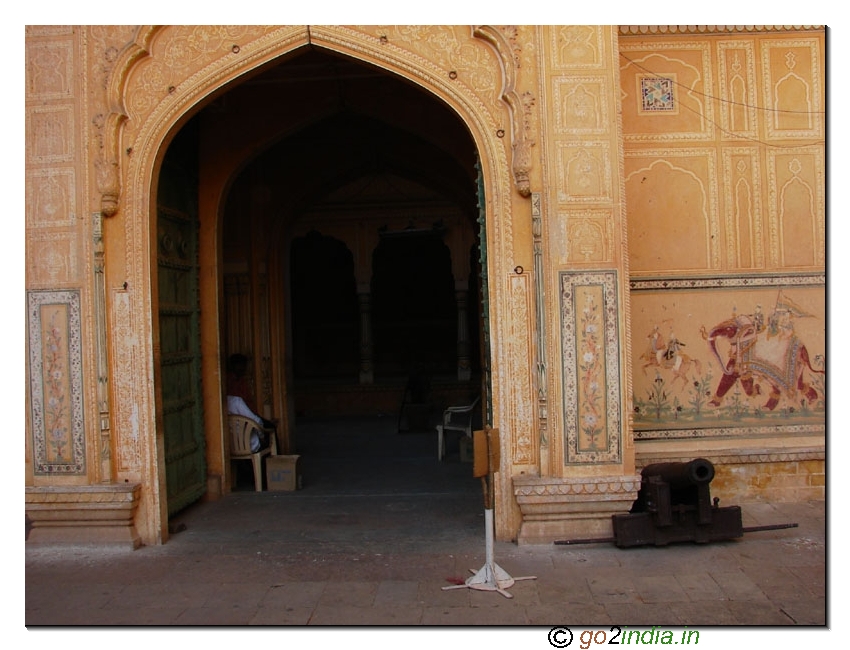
(180, 365)
(179, 323)
(486, 377)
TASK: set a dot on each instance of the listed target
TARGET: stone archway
(159, 82)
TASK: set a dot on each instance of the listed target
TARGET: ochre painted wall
(724, 159)
(649, 183)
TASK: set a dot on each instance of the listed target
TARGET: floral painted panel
(718, 360)
(55, 366)
(591, 367)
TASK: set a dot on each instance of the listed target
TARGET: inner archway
(346, 244)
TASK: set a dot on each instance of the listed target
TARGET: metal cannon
(674, 505)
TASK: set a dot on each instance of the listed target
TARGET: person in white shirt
(237, 406)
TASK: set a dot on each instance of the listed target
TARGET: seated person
(237, 406)
(239, 384)
(240, 400)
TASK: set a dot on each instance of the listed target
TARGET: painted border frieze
(733, 357)
(591, 367)
(56, 382)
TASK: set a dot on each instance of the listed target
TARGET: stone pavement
(381, 526)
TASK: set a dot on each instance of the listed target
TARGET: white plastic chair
(455, 418)
(241, 429)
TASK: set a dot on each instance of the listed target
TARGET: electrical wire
(719, 99)
(731, 134)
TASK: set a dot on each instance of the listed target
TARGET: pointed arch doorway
(137, 136)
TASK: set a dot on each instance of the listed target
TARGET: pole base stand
(490, 578)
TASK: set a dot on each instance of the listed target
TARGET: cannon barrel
(681, 475)
(673, 505)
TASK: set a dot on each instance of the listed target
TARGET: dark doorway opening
(325, 316)
(413, 306)
(363, 199)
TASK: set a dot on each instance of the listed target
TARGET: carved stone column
(103, 402)
(586, 455)
(464, 372)
(364, 300)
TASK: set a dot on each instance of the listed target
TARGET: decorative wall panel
(51, 198)
(591, 367)
(55, 262)
(50, 130)
(56, 382)
(577, 46)
(797, 229)
(521, 414)
(587, 237)
(672, 210)
(736, 60)
(742, 196)
(584, 172)
(125, 355)
(667, 92)
(581, 105)
(724, 357)
(49, 71)
(792, 90)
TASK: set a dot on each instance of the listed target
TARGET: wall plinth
(571, 508)
(84, 514)
(776, 474)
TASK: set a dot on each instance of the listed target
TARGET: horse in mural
(759, 352)
(666, 355)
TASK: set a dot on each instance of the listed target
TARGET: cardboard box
(282, 473)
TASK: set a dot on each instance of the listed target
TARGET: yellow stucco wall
(644, 177)
(724, 176)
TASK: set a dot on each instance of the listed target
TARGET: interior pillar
(364, 301)
(464, 371)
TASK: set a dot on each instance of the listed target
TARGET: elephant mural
(763, 353)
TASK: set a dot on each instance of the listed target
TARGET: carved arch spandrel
(137, 137)
(520, 104)
(107, 165)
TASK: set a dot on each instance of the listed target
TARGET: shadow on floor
(364, 487)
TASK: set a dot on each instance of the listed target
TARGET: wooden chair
(455, 418)
(241, 429)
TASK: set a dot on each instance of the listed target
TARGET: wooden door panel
(180, 359)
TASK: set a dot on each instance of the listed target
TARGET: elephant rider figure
(778, 358)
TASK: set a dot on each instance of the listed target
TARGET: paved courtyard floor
(381, 526)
